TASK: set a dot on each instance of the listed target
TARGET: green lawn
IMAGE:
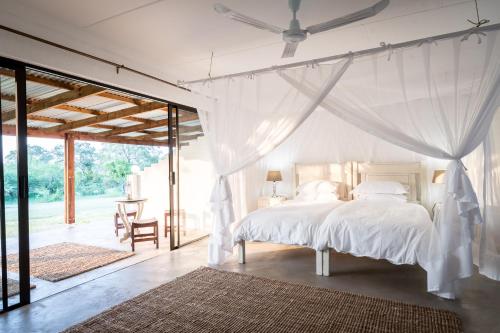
(49, 215)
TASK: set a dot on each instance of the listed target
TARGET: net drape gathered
(243, 120)
(436, 99)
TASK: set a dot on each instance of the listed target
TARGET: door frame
(19, 69)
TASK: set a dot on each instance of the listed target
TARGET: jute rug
(208, 300)
(63, 260)
(12, 287)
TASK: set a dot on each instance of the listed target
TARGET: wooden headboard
(335, 172)
(408, 174)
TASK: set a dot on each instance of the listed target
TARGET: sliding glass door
(14, 234)
(191, 178)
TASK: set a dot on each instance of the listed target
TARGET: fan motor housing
(294, 36)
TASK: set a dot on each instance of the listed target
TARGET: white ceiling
(174, 39)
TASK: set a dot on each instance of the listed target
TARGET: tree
(97, 170)
(117, 172)
(88, 180)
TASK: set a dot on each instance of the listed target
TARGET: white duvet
(396, 231)
(294, 222)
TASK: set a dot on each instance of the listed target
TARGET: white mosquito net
(434, 102)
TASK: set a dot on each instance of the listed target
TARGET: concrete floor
(97, 233)
(479, 306)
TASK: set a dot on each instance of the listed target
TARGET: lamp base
(274, 191)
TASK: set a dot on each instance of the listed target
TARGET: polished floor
(97, 233)
(479, 306)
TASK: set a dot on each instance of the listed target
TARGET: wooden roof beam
(59, 99)
(182, 130)
(6, 97)
(99, 112)
(121, 98)
(136, 128)
(108, 116)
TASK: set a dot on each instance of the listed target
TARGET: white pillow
(382, 197)
(377, 186)
(325, 197)
(317, 186)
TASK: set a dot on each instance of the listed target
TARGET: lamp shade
(274, 176)
(438, 176)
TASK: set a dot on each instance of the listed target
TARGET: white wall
(196, 181)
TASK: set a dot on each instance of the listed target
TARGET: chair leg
(133, 238)
(157, 237)
(116, 226)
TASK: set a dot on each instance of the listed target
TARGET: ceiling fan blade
(229, 13)
(289, 50)
(353, 17)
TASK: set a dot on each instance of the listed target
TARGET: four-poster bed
(434, 97)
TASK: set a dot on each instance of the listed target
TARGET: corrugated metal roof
(8, 85)
(100, 103)
(131, 134)
(90, 129)
(37, 91)
(159, 129)
(155, 114)
(47, 86)
(40, 124)
(58, 78)
(63, 114)
(120, 123)
(8, 106)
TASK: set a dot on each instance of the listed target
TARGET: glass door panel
(191, 180)
(14, 237)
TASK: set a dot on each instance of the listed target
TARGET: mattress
(396, 231)
(294, 223)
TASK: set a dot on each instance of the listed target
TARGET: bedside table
(264, 202)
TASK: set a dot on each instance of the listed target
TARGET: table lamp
(438, 176)
(274, 176)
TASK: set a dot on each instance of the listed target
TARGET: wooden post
(69, 179)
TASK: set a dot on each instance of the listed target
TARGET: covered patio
(71, 110)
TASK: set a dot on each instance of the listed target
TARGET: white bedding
(295, 222)
(396, 231)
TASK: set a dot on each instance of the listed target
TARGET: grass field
(48, 215)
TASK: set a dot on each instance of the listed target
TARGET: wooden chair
(145, 237)
(167, 219)
(119, 223)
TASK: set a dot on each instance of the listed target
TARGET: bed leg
(327, 262)
(241, 252)
(319, 262)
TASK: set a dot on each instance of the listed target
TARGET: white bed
(296, 221)
(396, 231)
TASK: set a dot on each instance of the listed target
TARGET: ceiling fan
(294, 34)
